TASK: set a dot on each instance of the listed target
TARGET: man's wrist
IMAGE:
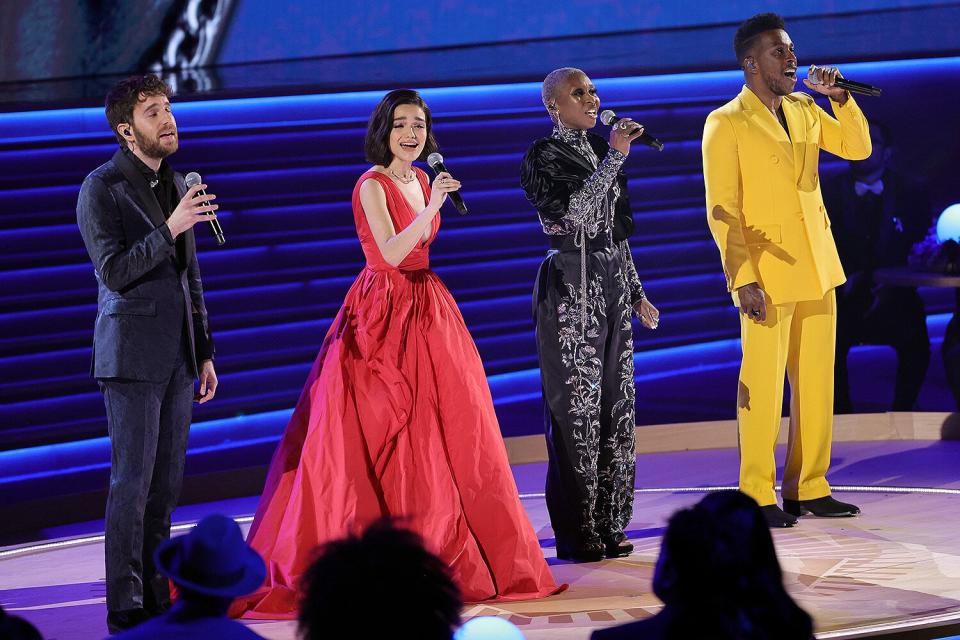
(842, 99)
(171, 233)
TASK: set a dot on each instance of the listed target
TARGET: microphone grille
(192, 179)
(607, 116)
(434, 159)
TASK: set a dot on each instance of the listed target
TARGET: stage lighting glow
(948, 224)
(488, 628)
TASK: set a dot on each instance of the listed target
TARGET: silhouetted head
(412, 588)
(16, 628)
(718, 559)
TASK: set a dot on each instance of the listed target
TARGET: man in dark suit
(877, 216)
(151, 338)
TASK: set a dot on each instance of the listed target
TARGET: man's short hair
(126, 94)
(748, 31)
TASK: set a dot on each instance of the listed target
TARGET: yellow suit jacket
(764, 206)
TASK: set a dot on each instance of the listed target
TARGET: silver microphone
(609, 118)
(193, 179)
(435, 160)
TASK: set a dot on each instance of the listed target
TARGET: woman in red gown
(396, 417)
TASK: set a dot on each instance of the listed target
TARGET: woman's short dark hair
(376, 145)
(126, 94)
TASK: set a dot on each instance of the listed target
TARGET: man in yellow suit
(760, 166)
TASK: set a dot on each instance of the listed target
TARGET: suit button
(774, 159)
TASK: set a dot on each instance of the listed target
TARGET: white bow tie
(862, 188)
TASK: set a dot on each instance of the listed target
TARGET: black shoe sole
(580, 557)
(796, 512)
(807, 512)
(618, 552)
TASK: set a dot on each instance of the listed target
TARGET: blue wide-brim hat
(212, 559)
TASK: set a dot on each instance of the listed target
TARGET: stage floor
(897, 564)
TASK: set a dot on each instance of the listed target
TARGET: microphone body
(193, 179)
(609, 118)
(858, 87)
(435, 160)
(850, 85)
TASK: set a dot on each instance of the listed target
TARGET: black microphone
(193, 179)
(609, 118)
(435, 160)
(848, 85)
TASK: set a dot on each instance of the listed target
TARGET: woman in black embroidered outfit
(586, 289)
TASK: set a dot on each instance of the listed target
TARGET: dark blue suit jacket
(146, 301)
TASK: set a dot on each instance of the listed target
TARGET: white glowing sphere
(488, 628)
(948, 224)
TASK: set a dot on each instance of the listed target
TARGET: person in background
(210, 566)
(413, 589)
(719, 578)
(16, 628)
(877, 217)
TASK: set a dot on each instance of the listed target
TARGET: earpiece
(126, 132)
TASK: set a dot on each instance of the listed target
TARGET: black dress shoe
(157, 609)
(617, 546)
(124, 619)
(776, 518)
(825, 507)
(589, 552)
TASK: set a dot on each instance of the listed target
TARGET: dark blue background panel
(308, 47)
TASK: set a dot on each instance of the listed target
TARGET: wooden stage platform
(892, 572)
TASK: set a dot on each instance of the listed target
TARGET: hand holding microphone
(634, 131)
(195, 207)
(446, 182)
(829, 82)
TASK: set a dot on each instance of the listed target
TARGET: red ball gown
(396, 419)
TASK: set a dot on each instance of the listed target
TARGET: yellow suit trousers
(797, 337)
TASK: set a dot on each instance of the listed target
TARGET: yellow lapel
(758, 114)
(791, 110)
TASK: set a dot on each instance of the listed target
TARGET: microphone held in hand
(609, 118)
(843, 83)
(193, 179)
(435, 160)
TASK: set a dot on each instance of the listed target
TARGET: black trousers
(587, 375)
(886, 315)
(148, 424)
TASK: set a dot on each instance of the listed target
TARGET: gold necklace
(404, 179)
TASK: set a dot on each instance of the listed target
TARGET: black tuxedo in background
(150, 338)
(875, 231)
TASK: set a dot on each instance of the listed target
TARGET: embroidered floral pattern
(585, 369)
